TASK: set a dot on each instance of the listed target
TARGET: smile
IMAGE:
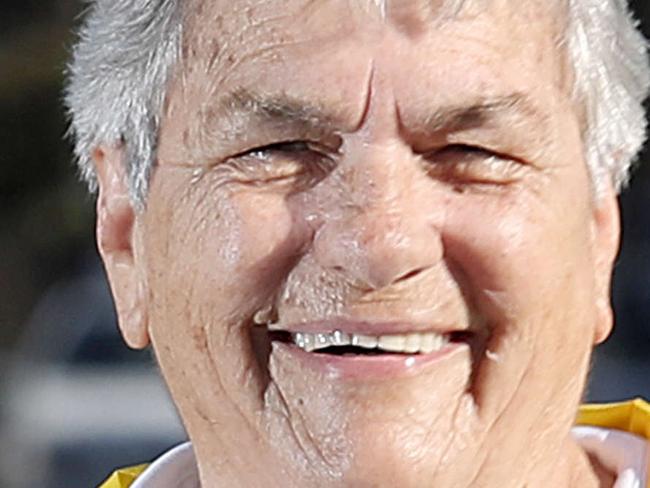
(359, 350)
(338, 342)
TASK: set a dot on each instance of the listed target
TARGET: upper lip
(366, 327)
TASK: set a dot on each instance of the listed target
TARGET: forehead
(224, 38)
(319, 53)
(385, 8)
(246, 16)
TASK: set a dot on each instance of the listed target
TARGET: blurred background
(74, 402)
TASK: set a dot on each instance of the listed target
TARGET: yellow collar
(632, 416)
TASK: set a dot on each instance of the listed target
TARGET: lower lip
(379, 367)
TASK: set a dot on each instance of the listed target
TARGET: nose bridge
(384, 232)
(379, 177)
(382, 191)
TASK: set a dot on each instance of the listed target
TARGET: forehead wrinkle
(220, 49)
(220, 37)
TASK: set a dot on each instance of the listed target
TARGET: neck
(576, 468)
(570, 467)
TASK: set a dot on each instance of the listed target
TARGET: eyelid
(473, 165)
(286, 147)
(289, 146)
(467, 149)
(516, 157)
(479, 150)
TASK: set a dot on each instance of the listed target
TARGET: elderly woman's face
(409, 177)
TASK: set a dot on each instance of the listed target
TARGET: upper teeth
(426, 342)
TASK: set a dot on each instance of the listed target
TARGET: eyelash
(473, 166)
(285, 147)
(306, 146)
(457, 163)
(297, 162)
(466, 149)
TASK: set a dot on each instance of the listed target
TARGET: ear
(606, 241)
(116, 220)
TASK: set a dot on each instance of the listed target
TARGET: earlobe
(116, 225)
(604, 321)
(606, 244)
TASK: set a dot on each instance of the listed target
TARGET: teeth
(392, 343)
(304, 341)
(340, 338)
(412, 343)
(401, 343)
(428, 343)
(364, 341)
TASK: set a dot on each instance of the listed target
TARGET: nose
(388, 239)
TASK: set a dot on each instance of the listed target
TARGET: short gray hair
(117, 82)
(127, 51)
(612, 77)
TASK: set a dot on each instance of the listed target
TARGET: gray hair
(117, 82)
(128, 49)
(612, 77)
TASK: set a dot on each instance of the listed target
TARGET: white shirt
(621, 453)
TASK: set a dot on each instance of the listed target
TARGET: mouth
(341, 343)
(352, 351)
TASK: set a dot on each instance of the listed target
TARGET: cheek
(528, 271)
(215, 256)
(519, 259)
(268, 229)
(224, 249)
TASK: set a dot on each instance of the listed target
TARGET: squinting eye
(464, 164)
(290, 147)
(299, 151)
(296, 162)
(461, 152)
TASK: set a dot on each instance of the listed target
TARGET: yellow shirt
(631, 416)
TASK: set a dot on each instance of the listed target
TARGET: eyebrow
(243, 110)
(482, 112)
